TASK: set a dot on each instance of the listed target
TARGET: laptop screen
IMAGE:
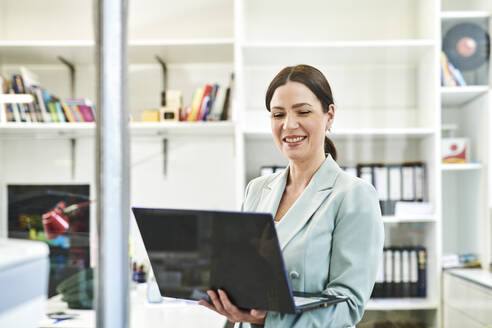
(193, 251)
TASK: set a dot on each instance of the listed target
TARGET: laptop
(192, 251)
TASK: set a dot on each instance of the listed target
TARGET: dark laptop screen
(193, 251)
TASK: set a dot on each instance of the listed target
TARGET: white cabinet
(466, 302)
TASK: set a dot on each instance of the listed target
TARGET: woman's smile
(294, 140)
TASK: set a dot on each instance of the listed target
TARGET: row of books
(43, 107)
(450, 75)
(393, 182)
(402, 273)
(211, 102)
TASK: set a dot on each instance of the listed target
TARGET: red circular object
(466, 47)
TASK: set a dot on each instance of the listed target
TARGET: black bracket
(71, 68)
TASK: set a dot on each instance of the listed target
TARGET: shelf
(389, 304)
(182, 128)
(336, 52)
(410, 219)
(455, 15)
(358, 133)
(136, 128)
(461, 167)
(47, 129)
(459, 96)
(141, 51)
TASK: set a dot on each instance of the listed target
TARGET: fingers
(260, 314)
(222, 305)
(228, 306)
(216, 302)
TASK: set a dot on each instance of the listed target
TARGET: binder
(420, 182)
(365, 172)
(394, 173)
(405, 272)
(414, 273)
(388, 272)
(422, 272)
(381, 185)
(378, 286)
(397, 288)
(408, 182)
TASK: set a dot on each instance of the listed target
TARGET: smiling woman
(329, 222)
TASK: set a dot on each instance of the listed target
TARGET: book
(195, 104)
(448, 81)
(38, 96)
(54, 113)
(4, 113)
(203, 102)
(47, 98)
(87, 112)
(218, 104)
(213, 95)
(227, 100)
(62, 116)
(14, 110)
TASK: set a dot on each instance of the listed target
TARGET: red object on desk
(55, 222)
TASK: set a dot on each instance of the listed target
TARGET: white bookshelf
(465, 223)
(74, 130)
(467, 14)
(395, 304)
(461, 167)
(382, 61)
(410, 219)
(459, 96)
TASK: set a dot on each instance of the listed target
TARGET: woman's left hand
(222, 305)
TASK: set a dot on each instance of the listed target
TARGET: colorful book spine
(61, 114)
(53, 112)
(195, 106)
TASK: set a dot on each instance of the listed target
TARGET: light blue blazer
(331, 238)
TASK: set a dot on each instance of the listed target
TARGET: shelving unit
(393, 304)
(459, 96)
(466, 225)
(383, 69)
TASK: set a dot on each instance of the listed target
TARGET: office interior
(412, 88)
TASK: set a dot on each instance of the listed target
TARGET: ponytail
(330, 148)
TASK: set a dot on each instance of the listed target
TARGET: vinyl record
(467, 46)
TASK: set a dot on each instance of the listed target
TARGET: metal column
(112, 165)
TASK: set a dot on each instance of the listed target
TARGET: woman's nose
(290, 122)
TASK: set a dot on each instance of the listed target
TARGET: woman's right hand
(222, 305)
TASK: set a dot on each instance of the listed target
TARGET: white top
(478, 276)
(17, 251)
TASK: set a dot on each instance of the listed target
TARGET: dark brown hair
(316, 82)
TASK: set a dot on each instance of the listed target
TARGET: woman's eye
(304, 112)
(278, 114)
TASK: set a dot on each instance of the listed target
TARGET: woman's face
(298, 122)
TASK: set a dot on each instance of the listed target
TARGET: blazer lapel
(318, 189)
(272, 193)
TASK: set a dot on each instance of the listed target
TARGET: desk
(169, 313)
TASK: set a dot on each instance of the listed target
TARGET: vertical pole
(112, 174)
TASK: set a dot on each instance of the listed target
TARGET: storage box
(455, 150)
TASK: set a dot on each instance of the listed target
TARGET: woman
(328, 222)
